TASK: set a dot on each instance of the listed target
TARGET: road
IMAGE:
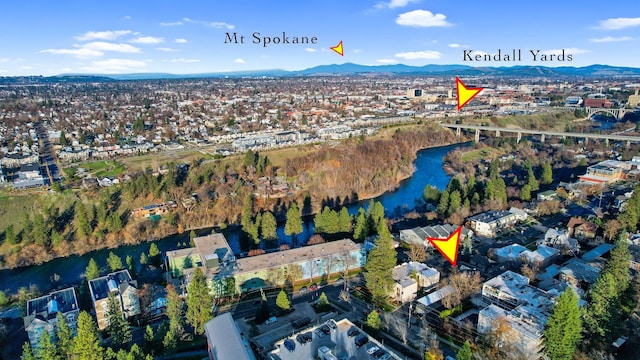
(47, 156)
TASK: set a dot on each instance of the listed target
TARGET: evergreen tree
(547, 174)
(247, 210)
(361, 229)
(149, 339)
(87, 342)
(192, 235)
(376, 214)
(443, 204)
(144, 260)
(379, 266)
(114, 262)
(92, 271)
(494, 169)
(618, 263)
(268, 226)
(170, 342)
(154, 254)
(39, 232)
(455, 201)
(65, 337)
(293, 226)
(27, 353)
(118, 327)
(374, 321)
(564, 327)
(199, 302)
(63, 139)
(525, 192)
(322, 300)
(282, 301)
(465, 352)
(344, 220)
(531, 180)
(10, 235)
(81, 222)
(47, 349)
(175, 312)
(598, 314)
(131, 266)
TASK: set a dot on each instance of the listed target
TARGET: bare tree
(417, 252)
(400, 326)
(530, 271)
(464, 284)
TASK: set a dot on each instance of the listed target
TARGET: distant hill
(351, 69)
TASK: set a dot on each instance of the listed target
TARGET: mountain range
(354, 69)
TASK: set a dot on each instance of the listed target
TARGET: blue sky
(53, 37)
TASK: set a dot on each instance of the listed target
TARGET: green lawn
(106, 168)
(484, 153)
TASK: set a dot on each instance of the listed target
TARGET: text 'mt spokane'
(257, 39)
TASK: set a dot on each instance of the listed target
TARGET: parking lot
(342, 345)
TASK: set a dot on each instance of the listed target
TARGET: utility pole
(409, 321)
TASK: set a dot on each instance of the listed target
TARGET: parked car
(290, 345)
(271, 320)
(301, 339)
(302, 290)
(379, 353)
(332, 324)
(372, 349)
(353, 332)
(385, 356)
(313, 287)
(325, 329)
(309, 336)
(362, 340)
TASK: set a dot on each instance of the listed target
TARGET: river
(69, 270)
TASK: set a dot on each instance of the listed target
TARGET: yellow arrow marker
(338, 49)
(448, 247)
(465, 94)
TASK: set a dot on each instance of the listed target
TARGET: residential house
(581, 229)
(579, 273)
(541, 258)
(225, 340)
(28, 176)
(547, 195)
(122, 287)
(419, 235)
(409, 277)
(509, 253)
(560, 240)
(42, 314)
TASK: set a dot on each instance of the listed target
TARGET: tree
(81, 222)
(92, 271)
(144, 260)
(65, 337)
(282, 301)
(27, 353)
(63, 139)
(454, 202)
(417, 252)
(374, 321)
(465, 352)
(47, 349)
(322, 300)
(443, 204)
(268, 226)
(361, 229)
(431, 194)
(149, 339)
(531, 180)
(464, 284)
(247, 210)
(379, 266)
(4, 300)
(10, 235)
(344, 220)
(154, 254)
(192, 235)
(175, 311)
(114, 262)
(199, 302)
(293, 225)
(87, 342)
(564, 327)
(118, 327)
(170, 342)
(525, 192)
(547, 174)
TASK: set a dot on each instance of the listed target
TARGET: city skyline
(189, 37)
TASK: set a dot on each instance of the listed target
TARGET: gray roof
(598, 251)
(100, 286)
(578, 269)
(491, 216)
(225, 340)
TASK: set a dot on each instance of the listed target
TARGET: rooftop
(305, 253)
(102, 286)
(225, 340)
(404, 270)
(491, 216)
(598, 251)
(58, 301)
(580, 270)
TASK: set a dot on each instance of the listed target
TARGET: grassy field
(14, 206)
(107, 168)
(135, 163)
(484, 153)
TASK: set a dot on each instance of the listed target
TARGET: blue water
(428, 167)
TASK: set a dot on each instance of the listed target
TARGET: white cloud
(422, 18)
(167, 49)
(66, 70)
(416, 55)
(174, 23)
(147, 40)
(102, 35)
(566, 51)
(357, 51)
(182, 41)
(618, 23)
(4, 59)
(239, 61)
(127, 17)
(182, 60)
(107, 46)
(81, 53)
(455, 46)
(311, 50)
(395, 4)
(221, 25)
(112, 66)
(387, 61)
(2, 71)
(607, 39)
(26, 67)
